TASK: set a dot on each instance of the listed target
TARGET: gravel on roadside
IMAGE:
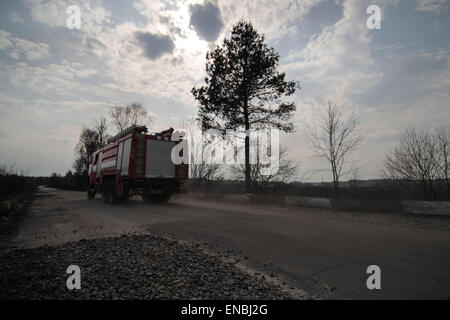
(128, 267)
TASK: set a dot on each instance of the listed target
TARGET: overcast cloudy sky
(55, 79)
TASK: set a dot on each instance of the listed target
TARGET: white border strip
(108, 164)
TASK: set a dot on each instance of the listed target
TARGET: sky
(55, 79)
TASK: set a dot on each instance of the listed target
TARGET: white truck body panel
(125, 154)
(158, 161)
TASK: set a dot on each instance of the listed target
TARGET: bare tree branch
(284, 170)
(335, 138)
(422, 158)
(133, 114)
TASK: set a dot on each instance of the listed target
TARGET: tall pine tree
(243, 88)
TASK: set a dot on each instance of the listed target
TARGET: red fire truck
(136, 163)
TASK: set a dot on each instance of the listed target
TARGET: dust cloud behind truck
(136, 163)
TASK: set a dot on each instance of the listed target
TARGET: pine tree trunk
(248, 182)
(248, 179)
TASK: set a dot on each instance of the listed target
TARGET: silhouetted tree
(201, 171)
(87, 144)
(443, 145)
(54, 180)
(205, 172)
(423, 159)
(283, 170)
(132, 114)
(334, 137)
(244, 89)
(91, 139)
(101, 127)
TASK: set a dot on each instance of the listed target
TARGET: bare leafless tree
(101, 127)
(132, 114)
(334, 138)
(201, 171)
(86, 146)
(91, 139)
(354, 171)
(205, 172)
(7, 169)
(443, 145)
(416, 159)
(283, 169)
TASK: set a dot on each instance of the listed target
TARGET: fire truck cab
(136, 163)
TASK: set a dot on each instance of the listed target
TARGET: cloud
(390, 87)
(53, 13)
(433, 6)
(65, 79)
(154, 45)
(172, 76)
(18, 48)
(58, 141)
(41, 128)
(159, 57)
(338, 60)
(206, 20)
(14, 17)
(275, 19)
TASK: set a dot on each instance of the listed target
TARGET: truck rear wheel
(91, 193)
(105, 191)
(112, 194)
(126, 195)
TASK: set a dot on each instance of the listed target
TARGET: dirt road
(325, 253)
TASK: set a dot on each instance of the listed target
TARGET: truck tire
(105, 191)
(90, 193)
(112, 194)
(126, 195)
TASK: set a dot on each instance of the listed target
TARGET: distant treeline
(70, 181)
(13, 182)
(359, 189)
